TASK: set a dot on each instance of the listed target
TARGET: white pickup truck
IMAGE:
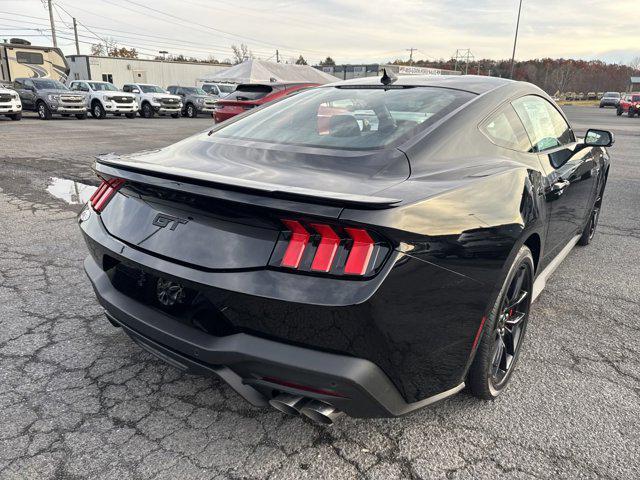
(10, 104)
(153, 99)
(104, 97)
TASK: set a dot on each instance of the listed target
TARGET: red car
(630, 103)
(248, 96)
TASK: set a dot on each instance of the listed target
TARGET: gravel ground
(79, 400)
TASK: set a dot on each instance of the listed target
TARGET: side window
(29, 83)
(505, 129)
(126, 88)
(547, 129)
(171, 90)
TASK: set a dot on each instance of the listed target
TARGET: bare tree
(104, 48)
(635, 64)
(563, 75)
(241, 53)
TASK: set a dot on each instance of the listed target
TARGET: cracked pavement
(78, 399)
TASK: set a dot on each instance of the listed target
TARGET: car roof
(275, 84)
(470, 83)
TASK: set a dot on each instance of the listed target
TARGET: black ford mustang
(365, 247)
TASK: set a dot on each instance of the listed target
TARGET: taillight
(105, 191)
(360, 252)
(332, 249)
(297, 244)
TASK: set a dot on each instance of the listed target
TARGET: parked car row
(50, 97)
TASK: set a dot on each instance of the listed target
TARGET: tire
(191, 111)
(16, 116)
(630, 113)
(98, 111)
(175, 115)
(81, 116)
(44, 113)
(130, 115)
(590, 228)
(504, 331)
(147, 111)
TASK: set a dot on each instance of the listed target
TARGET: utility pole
(53, 25)
(515, 40)
(75, 34)
(277, 56)
(411, 50)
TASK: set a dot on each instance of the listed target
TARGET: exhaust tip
(287, 403)
(321, 412)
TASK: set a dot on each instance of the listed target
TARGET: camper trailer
(19, 58)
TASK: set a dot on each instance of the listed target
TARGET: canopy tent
(261, 71)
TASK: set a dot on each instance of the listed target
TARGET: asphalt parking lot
(79, 400)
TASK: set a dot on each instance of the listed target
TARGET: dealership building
(345, 72)
(119, 70)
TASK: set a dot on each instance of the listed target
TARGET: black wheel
(146, 111)
(98, 111)
(130, 115)
(175, 115)
(191, 111)
(618, 111)
(590, 228)
(81, 116)
(16, 116)
(504, 331)
(43, 111)
(630, 113)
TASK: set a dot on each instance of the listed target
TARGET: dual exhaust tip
(315, 410)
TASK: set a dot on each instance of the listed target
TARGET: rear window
(227, 88)
(249, 92)
(33, 58)
(359, 118)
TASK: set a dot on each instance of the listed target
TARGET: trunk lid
(220, 205)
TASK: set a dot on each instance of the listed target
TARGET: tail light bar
(104, 193)
(323, 248)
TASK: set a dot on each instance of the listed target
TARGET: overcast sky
(350, 31)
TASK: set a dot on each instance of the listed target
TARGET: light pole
(515, 41)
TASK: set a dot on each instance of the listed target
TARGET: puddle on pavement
(74, 193)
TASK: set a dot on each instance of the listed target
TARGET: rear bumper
(244, 361)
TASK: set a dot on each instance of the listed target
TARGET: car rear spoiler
(184, 179)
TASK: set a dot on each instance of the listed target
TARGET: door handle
(560, 186)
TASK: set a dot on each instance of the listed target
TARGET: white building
(129, 70)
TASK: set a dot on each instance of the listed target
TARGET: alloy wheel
(510, 326)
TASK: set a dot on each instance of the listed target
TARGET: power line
(191, 23)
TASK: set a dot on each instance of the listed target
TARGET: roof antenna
(386, 78)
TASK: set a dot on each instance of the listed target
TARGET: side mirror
(135, 90)
(598, 138)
